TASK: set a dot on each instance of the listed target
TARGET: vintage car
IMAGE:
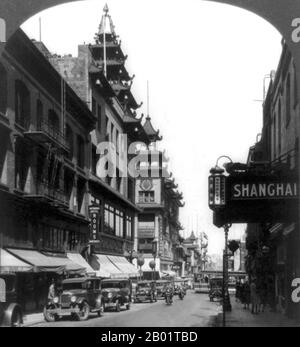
(179, 285)
(160, 288)
(145, 291)
(79, 297)
(116, 293)
(11, 314)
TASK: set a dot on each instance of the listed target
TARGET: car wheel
(17, 318)
(101, 311)
(50, 317)
(118, 308)
(84, 312)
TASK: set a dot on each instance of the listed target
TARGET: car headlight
(73, 299)
(109, 295)
(56, 300)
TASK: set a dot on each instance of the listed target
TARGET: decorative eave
(134, 127)
(98, 78)
(170, 183)
(151, 132)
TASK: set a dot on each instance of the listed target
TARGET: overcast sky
(205, 63)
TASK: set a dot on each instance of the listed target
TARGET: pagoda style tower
(109, 56)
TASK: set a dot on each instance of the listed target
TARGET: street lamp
(217, 201)
(152, 264)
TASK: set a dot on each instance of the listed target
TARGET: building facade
(44, 175)
(273, 249)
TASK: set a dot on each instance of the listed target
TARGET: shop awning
(168, 273)
(123, 264)
(78, 259)
(9, 263)
(107, 267)
(46, 263)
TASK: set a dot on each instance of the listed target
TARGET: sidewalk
(33, 318)
(239, 317)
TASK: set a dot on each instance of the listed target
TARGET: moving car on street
(179, 286)
(79, 297)
(145, 291)
(11, 314)
(116, 293)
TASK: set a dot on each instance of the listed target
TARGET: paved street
(194, 311)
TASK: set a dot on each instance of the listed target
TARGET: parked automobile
(116, 293)
(160, 288)
(79, 297)
(201, 287)
(11, 314)
(145, 291)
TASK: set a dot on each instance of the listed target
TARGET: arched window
(39, 114)
(22, 104)
(3, 89)
(70, 141)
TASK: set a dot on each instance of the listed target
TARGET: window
(279, 128)
(146, 222)
(99, 117)
(109, 220)
(146, 197)
(80, 151)
(80, 195)
(53, 124)
(39, 114)
(3, 89)
(70, 141)
(22, 104)
(22, 164)
(119, 223)
(129, 227)
(94, 107)
(288, 100)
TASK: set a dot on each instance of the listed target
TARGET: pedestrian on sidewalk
(254, 297)
(245, 295)
(52, 290)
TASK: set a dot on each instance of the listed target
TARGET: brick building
(43, 174)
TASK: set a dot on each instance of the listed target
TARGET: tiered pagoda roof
(171, 187)
(108, 46)
(150, 131)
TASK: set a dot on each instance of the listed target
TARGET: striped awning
(128, 269)
(47, 263)
(78, 259)
(9, 263)
(107, 268)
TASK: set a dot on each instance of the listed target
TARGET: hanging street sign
(247, 198)
(94, 212)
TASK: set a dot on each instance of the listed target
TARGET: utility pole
(226, 298)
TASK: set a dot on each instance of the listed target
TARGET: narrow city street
(194, 311)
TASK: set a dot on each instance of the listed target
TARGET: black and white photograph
(149, 166)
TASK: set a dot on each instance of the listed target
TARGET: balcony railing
(46, 191)
(46, 132)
